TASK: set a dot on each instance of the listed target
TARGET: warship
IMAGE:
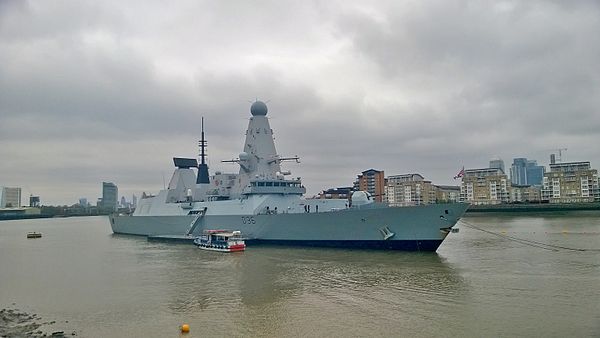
(268, 206)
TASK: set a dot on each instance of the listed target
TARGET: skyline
(93, 92)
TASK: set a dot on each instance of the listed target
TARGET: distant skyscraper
(497, 163)
(109, 195)
(535, 173)
(10, 197)
(526, 172)
(518, 172)
(134, 201)
(123, 202)
(83, 202)
(34, 201)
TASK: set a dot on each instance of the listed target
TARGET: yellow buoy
(185, 328)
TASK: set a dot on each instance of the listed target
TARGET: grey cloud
(93, 91)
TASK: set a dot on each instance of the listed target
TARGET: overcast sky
(94, 91)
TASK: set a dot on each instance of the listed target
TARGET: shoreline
(524, 208)
(18, 323)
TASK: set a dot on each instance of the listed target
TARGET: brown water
(476, 285)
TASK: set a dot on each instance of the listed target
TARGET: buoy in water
(185, 328)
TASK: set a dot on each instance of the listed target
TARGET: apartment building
(373, 182)
(409, 189)
(571, 182)
(484, 186)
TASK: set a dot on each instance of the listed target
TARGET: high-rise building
(484, 186)
(534, 173)
(10, 197)
(83, 202)
(497, 163)
(518, 172)
(373, 182)
(526, 172)
(134, 201)
(34, 201)
(109, 195)
(571, 182)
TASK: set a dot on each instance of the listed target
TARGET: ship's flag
(461, 173)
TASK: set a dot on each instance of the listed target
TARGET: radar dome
(258, 108)
(361, 198)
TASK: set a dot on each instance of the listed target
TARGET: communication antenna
(202, 167)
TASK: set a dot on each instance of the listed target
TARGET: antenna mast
(202, 167)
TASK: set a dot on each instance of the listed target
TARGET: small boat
(34, 235)
(221, 240)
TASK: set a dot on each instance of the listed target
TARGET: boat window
(269, 184)
(253, 184)
(275, 184)
(261, 184)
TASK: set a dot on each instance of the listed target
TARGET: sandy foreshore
(17, 323)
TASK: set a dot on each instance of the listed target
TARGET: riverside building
(409, 189)
(484, 186)
(570, 182)
(525, 194)
(447, 193)
(373, 182)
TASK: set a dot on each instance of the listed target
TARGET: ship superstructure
(270, 208)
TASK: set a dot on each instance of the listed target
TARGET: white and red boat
(221, 240)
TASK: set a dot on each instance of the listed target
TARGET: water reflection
(260, 288)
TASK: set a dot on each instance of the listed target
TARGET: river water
(477, 284)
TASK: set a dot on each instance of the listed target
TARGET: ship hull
(402, 245)
(419, 228)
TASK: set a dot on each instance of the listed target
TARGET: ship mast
(202, 167)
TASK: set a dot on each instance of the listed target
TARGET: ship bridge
(284, 187)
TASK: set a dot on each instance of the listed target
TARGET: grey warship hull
(418, 228)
